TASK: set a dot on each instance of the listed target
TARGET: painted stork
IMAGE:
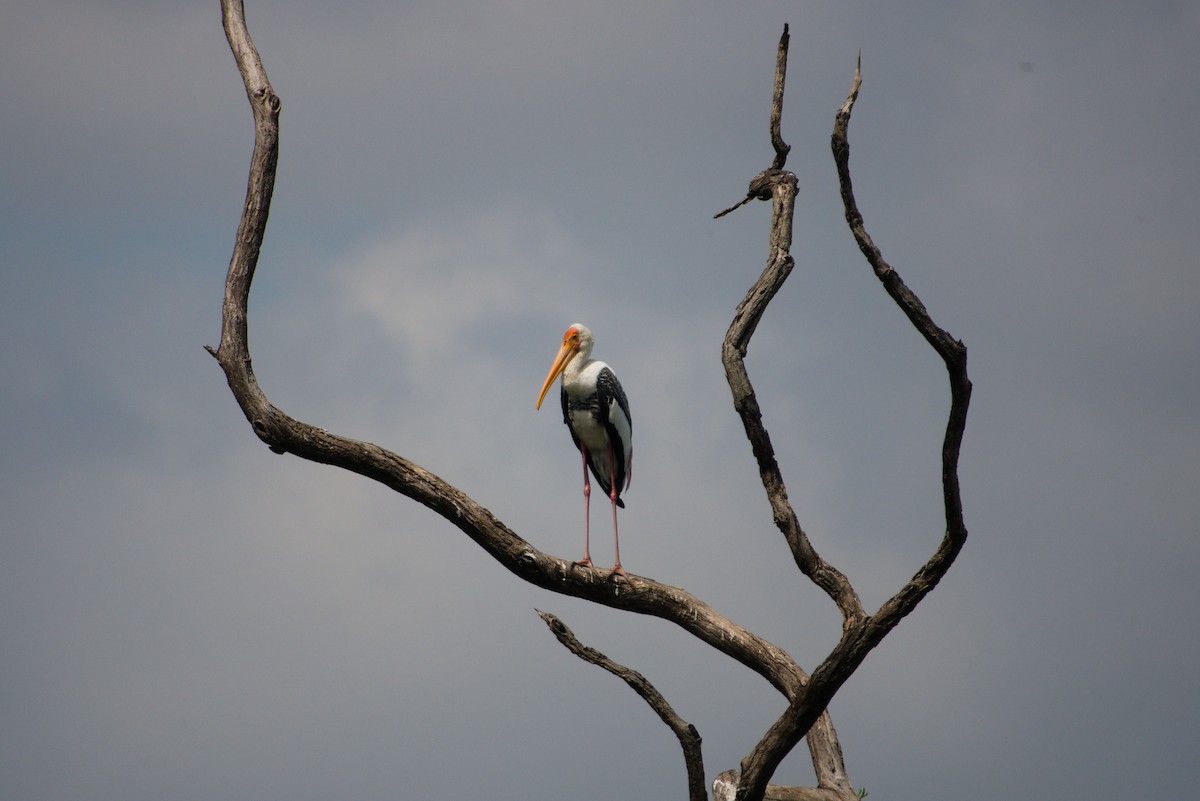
(597, 414)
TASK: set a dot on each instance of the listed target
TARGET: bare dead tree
(807, 695)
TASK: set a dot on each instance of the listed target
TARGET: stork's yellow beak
(570, 347)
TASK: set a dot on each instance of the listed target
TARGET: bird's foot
(586, 561)
(617, 570)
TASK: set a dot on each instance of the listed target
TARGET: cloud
(437, 287)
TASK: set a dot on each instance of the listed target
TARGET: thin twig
(761, 188)
(689, 738)
(761, 184)
(781, 56)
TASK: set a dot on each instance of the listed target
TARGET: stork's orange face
(570, 347)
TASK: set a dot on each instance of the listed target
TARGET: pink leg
(612, 497)
(587, 495)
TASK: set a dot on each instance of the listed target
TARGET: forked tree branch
(860, 633)
(780, 186)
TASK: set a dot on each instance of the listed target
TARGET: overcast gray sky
(185, 615)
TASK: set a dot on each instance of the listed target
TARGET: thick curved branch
(284, 434)
(689, 738)
(952, 351)
(265, 105)
(733, 352)
(779, 185)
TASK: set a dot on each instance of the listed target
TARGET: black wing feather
(608, 391)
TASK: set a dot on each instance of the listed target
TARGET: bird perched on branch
(597, 414)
